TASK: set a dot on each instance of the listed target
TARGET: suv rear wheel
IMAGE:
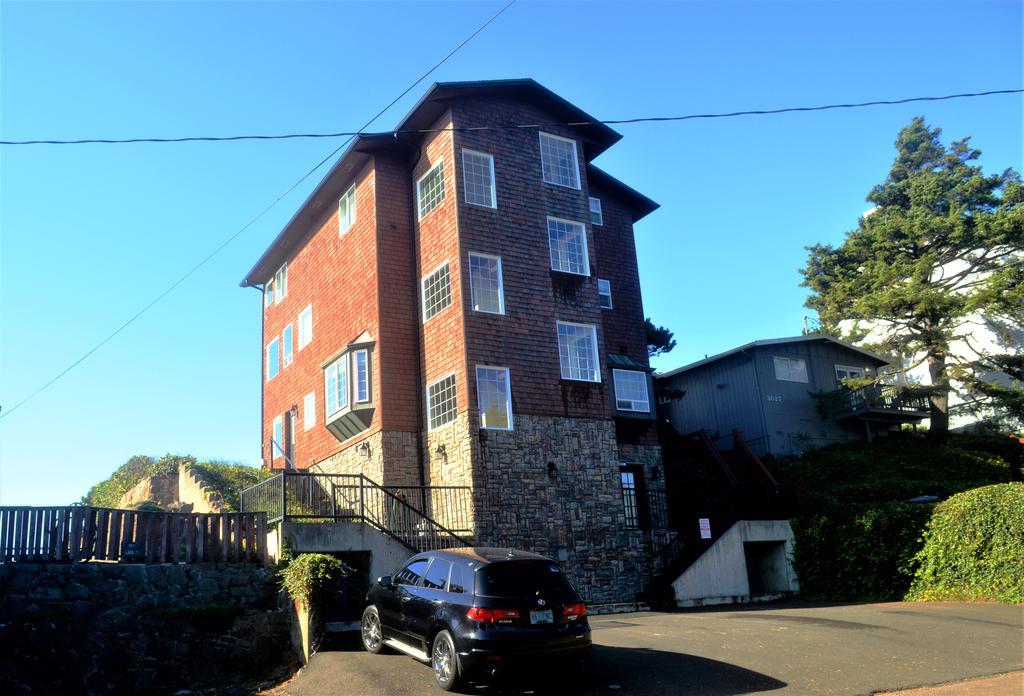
(370, 630)
(444, 660)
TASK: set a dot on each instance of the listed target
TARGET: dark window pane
(411, 574)
(437, 575)
(521, 579)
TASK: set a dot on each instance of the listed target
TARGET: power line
(622, 121)
(249, 224)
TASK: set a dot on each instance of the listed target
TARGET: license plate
(541, 616)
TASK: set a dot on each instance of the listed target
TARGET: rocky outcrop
(162, 490)
(196, 491)
(185, 491)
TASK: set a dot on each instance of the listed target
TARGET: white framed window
(336, 386)
(268, 293)
(568, 243)
(309, 411)
(277, 438)
(478, 178)
(305, 326)
(361, 376)
(596, 218)
(577, 352)
(631, 391)
(288, 348)
(437, 291)
(494, 397)
(273, 358)
(347, 210)
(558, 162)
(430, 189)
(441, 402)
(790, 369)
(604, 291)
(847, 372)
(485, 284)
(281, 284)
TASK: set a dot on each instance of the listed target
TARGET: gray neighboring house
(786, 395)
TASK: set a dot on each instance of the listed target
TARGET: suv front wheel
(444, 660)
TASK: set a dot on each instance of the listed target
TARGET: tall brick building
(458, 303)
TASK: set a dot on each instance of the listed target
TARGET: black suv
(476, 613)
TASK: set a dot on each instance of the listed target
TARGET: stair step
(407, 649)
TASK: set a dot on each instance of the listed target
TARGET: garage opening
(766, 566)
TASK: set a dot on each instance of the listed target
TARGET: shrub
(857, 537)
(974, 547)
(108, 493)
(313, 578)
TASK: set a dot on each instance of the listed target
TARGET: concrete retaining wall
(720, 575)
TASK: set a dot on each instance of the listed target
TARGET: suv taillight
(490, 616)
(574, 611)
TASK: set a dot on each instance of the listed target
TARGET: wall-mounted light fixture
(363, 448)
(441, 451)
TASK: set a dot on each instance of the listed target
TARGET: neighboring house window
(273, 358)
(847, 372)
(430, 189)
(630, 504)
(278, 438)
(631, 391)
(309, 411)
(790, 369)
(268, 293)
(441, 402)
(494, 398)
(577, 352)
(478, 178)
(604, 290)
(558, 161)
(281, 284)
(347, 210)
(361, 371)
(596, 218)
(437, 292)
(286, 339)
(336, 386)
(305, 326)
(568, 242)
(485, 283)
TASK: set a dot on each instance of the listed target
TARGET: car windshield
(521, 579)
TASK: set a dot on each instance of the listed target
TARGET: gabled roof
(596, 137)
(773, 342)
(640, 205)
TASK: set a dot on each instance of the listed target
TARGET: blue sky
(89, 234)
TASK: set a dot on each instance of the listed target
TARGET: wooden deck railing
(68, 534)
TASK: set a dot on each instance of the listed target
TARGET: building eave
(639, 205)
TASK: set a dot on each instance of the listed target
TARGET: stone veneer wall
(393, 459)
(576, 511)
(450, 451)
(118, 628)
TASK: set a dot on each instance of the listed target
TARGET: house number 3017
(774, 397)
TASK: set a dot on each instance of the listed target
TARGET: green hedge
(857, 537)
(974, 547)
(231, 479)
(313, 577)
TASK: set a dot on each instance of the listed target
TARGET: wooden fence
(68, 534)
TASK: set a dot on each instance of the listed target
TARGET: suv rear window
(521, 579)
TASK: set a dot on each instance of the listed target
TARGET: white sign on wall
(705, 528)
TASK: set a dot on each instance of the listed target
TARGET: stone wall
(552, 486)
(392, 460)
(162, 490)
(119, 628)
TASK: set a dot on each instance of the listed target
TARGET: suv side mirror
(385, 582)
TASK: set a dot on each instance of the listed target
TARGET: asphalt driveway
(781, 648)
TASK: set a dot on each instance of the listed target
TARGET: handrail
(709, 446)
(742, 445)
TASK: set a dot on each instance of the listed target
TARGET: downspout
(420, 377)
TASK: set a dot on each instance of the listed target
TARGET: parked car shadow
(612, 670)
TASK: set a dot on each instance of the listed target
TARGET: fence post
(362, 500)
(334, 500)
(284, 497)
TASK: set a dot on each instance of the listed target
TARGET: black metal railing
(421, 517)
(877, 397)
